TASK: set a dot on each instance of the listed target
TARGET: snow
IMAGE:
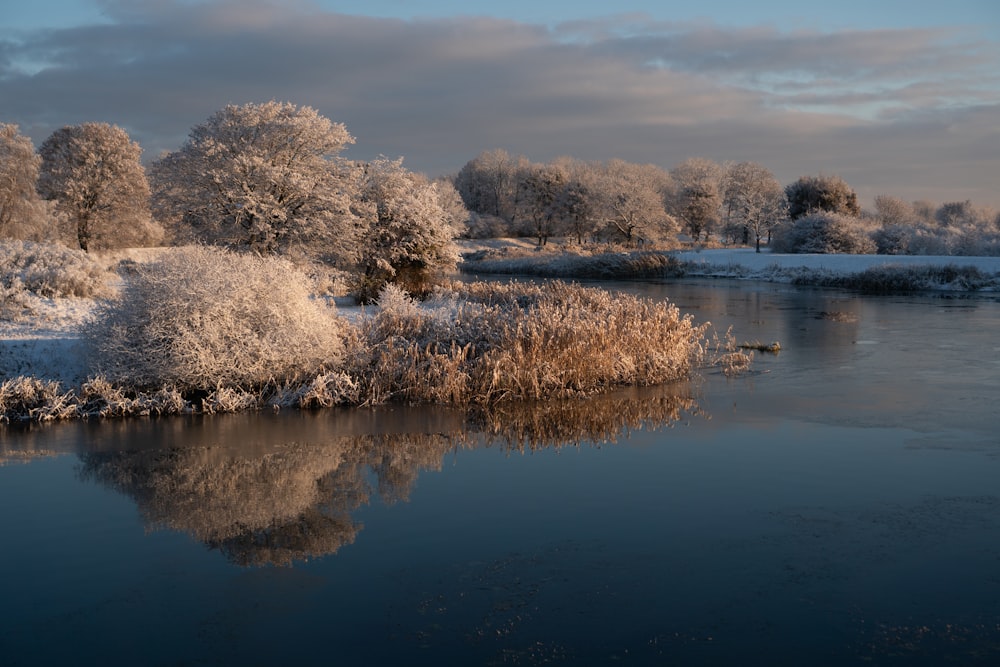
(749, 264)
(47, 345)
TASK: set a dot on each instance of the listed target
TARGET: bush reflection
(262, 500)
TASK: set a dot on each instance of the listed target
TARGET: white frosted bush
(204, 318)
(824, 232)
(51, 270)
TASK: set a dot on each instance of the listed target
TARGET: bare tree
(754, 200)
(631, 200)
(264, 177)
(893, 211)
(487, 183)
(94, 175)
(541, 186)
(696, 198)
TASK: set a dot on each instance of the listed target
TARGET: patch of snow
(46, 345)
(747, 263)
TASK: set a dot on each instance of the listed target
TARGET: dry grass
(484, 343)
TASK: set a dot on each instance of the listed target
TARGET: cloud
(902, 112)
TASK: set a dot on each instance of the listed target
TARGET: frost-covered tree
(956, 213)
(23, 214)
(631, 200)
(575, 205)
(696, 198)
(893, 211)
(408, 237)
(821, 193)
(451, 202)
(541, 185)
(754, 200)
(487, 183)
(94, 175)
(264, 177)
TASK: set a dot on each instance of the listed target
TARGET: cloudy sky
(896, 96)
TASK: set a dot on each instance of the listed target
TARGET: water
(838, 506)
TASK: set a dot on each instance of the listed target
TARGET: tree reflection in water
(279, 503)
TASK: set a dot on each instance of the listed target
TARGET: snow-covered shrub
(485, 343)
(31, 399)
(203, 318)
(892, 239)
(891, 279)
(823, 232)
(50, 270)
(16, 303)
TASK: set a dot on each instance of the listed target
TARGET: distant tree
(541, 186)
(263, 177)
(893, 211)
(924, 210)
(94, 175)
(952, 214)
(631, 201)
(754, 200)
(821, 193)
(23, 213)
(408, 237)
(487, 183)
(575, 205)
(696, 198)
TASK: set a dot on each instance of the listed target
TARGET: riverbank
(46, 343)
(517, 256)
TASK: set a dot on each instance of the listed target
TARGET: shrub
(823, 232)
(895, 279)
(49, 270)
(199, 319)
(602, 266)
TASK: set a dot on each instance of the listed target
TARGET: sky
(897, 97)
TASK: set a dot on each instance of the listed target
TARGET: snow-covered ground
(747, 263)
(47, 344)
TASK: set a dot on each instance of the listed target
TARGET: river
(839, 505)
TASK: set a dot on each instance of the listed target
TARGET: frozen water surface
(838, 506)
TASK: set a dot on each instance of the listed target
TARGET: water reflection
(259, 499)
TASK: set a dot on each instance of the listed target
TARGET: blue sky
(898, 97)
(787, 13)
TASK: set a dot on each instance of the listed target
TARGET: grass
(485, 343)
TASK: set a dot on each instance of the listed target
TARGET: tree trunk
(83, 233)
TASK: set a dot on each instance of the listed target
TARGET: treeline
(731, 203)
(261, 178)
(269, 179)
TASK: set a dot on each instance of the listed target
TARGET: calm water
(839, 506)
